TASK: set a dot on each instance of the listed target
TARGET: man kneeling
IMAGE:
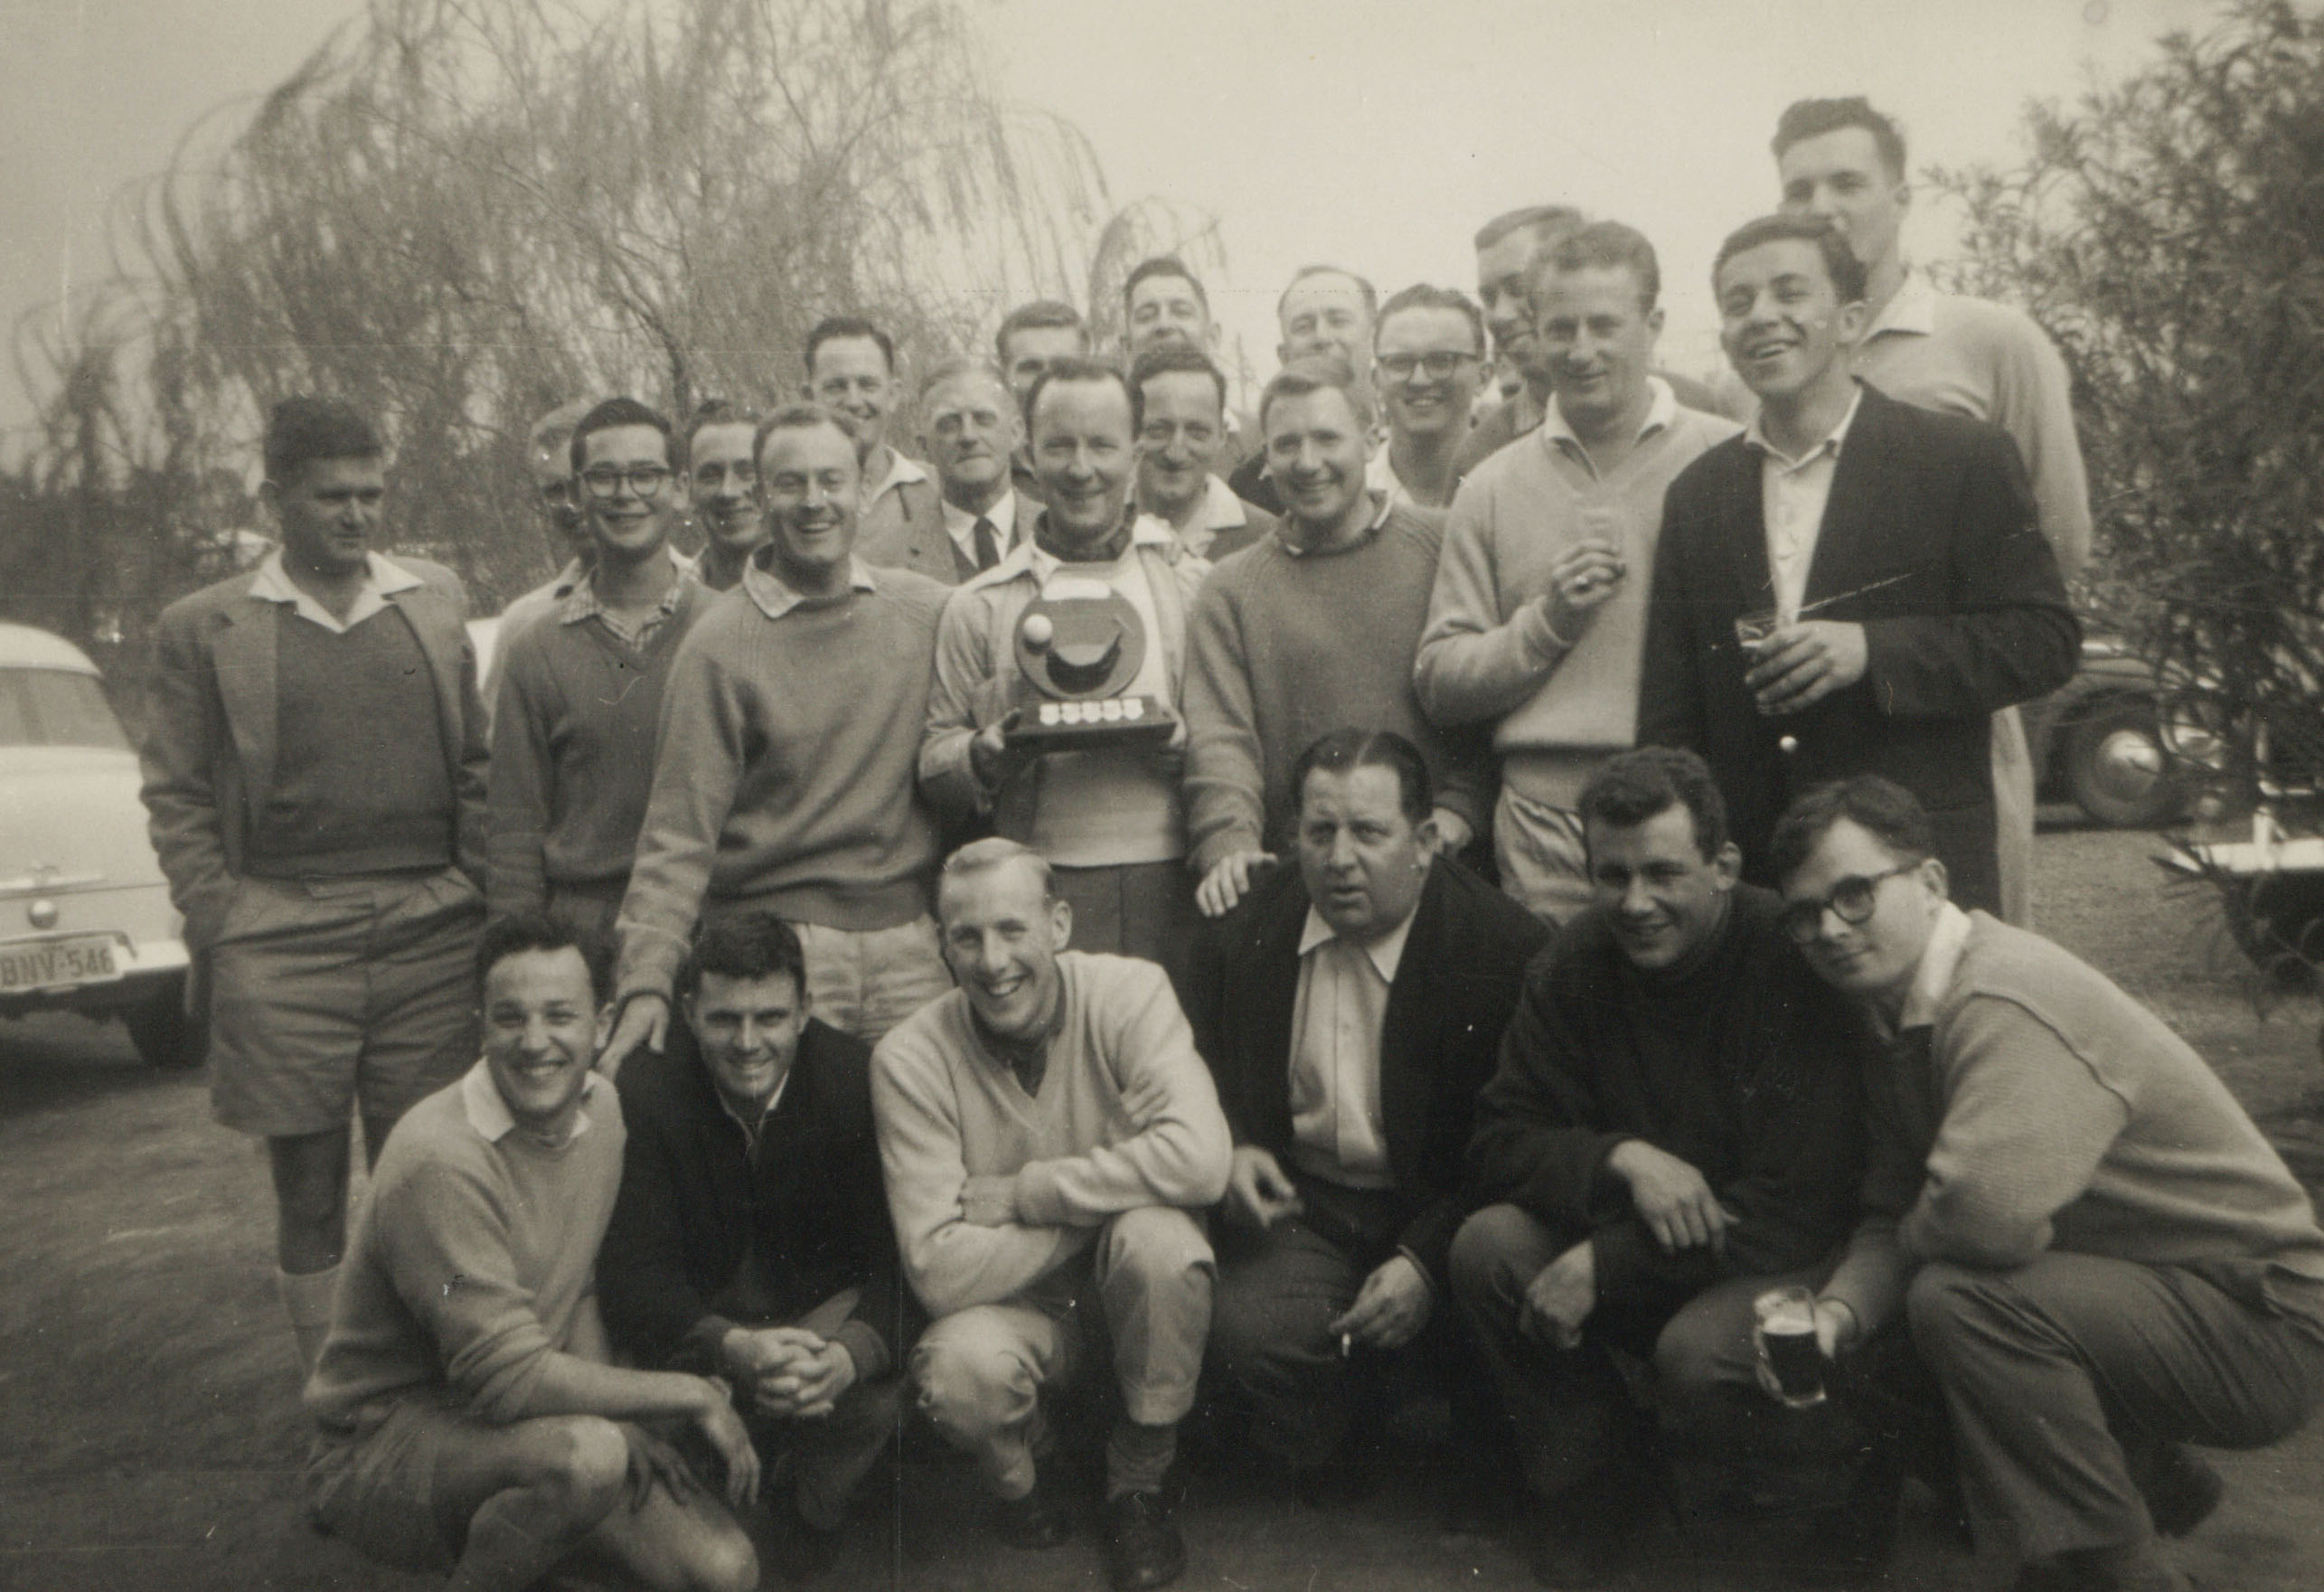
(1048, 1134)
(470, 1419)
(751, 1239)
(2098, 1255)
(1673, 1130)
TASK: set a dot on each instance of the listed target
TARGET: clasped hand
(790, 1371)
(1805, 662)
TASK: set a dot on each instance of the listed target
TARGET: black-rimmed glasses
(1852, 899)
(644, 480)
(1436, 367)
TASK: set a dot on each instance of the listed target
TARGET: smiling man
(1325, 312)
(1351, 1009)
(2095, 1252)
(1674, 1127)
(581, 692)
(1181, 438)
(1048, 1131)
(1164, 303)
(751, 1239)
(1538, 619)
(722, 479)
(1428, 362)
(472, 1420)
(1909, 535)
(851, 368)
(1310, 630)
(316, 784)
(1107, 817)
(783, 772)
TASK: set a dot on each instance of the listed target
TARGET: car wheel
(165, 1033)
(2116, 768)
(2277, 920)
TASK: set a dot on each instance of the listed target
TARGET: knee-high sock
(1137, 1456)
(306, 1300)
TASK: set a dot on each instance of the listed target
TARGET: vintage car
(2098, 741)
(86, 923)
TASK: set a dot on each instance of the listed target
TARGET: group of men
(847, 1052)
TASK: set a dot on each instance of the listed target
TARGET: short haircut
(994, 851)
(1423, 295)
(1812, 118)
(1537, 217)
(1342, 751)
(833, 328)
(751, 946)
(1039, 313)
(947, 371)
(1646, 783)
(714, 411)
(302, 429)
(805, 416)
(1161, 362)
(619, 412)
(520, 932)
(1846, 271)
(1882, 808)
(1162, 265)
(1317, 372)
(1363, 285)
(1602, 246)
(1077, 369)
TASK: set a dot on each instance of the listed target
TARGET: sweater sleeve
(951, 1262)
(447, 1247)
(963, 668)
(520, 783)
(1181, 1151)
(1224, 781)
(2025, 1124)
(1531, 1146)
(1472, 665)
(2033, 401)
(698, 765)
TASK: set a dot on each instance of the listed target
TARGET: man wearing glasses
(1539, 610)
(1911, 538)
(2095, 1253)
(724, 487)
(1429, 361)
(581, 691)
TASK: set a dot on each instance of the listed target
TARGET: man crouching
(470, 1419)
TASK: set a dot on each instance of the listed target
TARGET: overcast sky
(1371, 133)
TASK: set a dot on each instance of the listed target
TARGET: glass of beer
(1755, 627)
(1785, 1338)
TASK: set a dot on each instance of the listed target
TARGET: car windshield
(56, 707)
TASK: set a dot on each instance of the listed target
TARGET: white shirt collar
(1662, 408)
(900, 471)
(776, 599)
(1755, 439)
(1911, 311)
(1940, 960)
(1221, 509)
(961, 525)
(1385, 952)
(1384, 505)
(489, 1115)
(382, 580)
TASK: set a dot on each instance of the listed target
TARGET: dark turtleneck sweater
(1738, 1061)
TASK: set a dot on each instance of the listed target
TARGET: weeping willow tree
(459, 213)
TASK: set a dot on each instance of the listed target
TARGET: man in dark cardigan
(751, 1238)
(1349, 1009)
(1674, 1129)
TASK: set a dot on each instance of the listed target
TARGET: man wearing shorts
(316, 785)
(471, 1422)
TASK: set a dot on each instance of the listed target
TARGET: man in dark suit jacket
(315, 782)
(1910, 536)
(751, 1238)
(1351, 1009)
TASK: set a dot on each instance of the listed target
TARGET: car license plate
(57, 964)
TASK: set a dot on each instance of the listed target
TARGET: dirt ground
(150, 1435)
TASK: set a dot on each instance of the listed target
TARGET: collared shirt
(1220, 509)
(901, 472)
(1793, 493)
(581, 604)
(1559, 437)
(1380, 476)
(1145, 531)
(489, 1115)
(753, 1129)
(1911, 311)
(1336, 1125)
(961, 526)
(776, 599)
(1383, 504)
(382, 580)
(1940, 960)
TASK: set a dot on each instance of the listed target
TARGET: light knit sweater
(1488, 654)
(472, 1262)
(2055, 1112)
(1126, 1117)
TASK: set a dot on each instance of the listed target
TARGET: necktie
(988, 543)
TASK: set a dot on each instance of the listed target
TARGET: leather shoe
(1143, 1546)
(1038, 1520)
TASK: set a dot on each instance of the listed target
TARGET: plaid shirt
(581, 604)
